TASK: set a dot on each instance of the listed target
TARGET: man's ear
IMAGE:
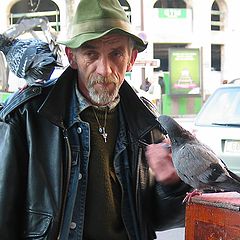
(132, 60)
(71, 57)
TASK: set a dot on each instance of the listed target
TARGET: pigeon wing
(199, 166)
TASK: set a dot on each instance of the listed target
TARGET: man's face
(101, 65)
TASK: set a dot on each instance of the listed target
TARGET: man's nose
(104, 67)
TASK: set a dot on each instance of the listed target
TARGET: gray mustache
(100, 79)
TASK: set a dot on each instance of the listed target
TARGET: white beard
(104, 97)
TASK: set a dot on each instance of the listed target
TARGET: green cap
(95, 18)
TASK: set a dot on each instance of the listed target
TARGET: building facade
(212, 27)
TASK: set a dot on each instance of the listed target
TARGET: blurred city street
(186, 122)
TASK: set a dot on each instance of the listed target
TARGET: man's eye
(91, 55)
(117, 54)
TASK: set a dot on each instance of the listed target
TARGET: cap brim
(78, 40)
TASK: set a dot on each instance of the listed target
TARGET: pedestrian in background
(145, 85)
(77, 159)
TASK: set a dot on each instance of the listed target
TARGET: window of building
(126, 8)
(170, 4)
(216, 17)
(161, 52)
(36, 8)
(216, 57)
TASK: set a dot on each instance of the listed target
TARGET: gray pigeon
(30, 59)
(196, 164)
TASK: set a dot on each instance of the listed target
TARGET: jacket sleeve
(12, 177)
(169, 211)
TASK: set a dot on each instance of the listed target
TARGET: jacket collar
(56, 108)
(139, 115)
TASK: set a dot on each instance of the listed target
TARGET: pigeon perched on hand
(196, 164)
(30, 59)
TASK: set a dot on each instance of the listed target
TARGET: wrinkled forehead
(110, 39)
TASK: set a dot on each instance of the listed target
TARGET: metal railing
(14, 17)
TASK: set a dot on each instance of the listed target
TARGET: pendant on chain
(101, 129)
(103, 133)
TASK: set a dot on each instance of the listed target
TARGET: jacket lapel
(56, 108)
(139, 117)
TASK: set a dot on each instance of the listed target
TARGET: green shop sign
(184, 66)
(172, 13)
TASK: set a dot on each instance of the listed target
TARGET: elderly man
(77, 159)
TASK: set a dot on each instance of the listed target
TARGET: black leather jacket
(35, 153)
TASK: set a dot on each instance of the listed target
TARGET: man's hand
(159, 157)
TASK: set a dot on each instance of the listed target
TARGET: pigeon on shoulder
(196, 164)
(30, 59)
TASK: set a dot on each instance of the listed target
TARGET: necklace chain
(102, 129)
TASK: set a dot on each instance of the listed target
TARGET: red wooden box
(214, 216)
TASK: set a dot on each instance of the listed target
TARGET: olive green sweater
(103, 206)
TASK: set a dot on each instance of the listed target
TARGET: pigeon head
(177, 134)
(6, 43)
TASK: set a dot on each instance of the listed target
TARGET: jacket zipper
(69, 160)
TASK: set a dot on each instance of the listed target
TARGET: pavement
(173, 234)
